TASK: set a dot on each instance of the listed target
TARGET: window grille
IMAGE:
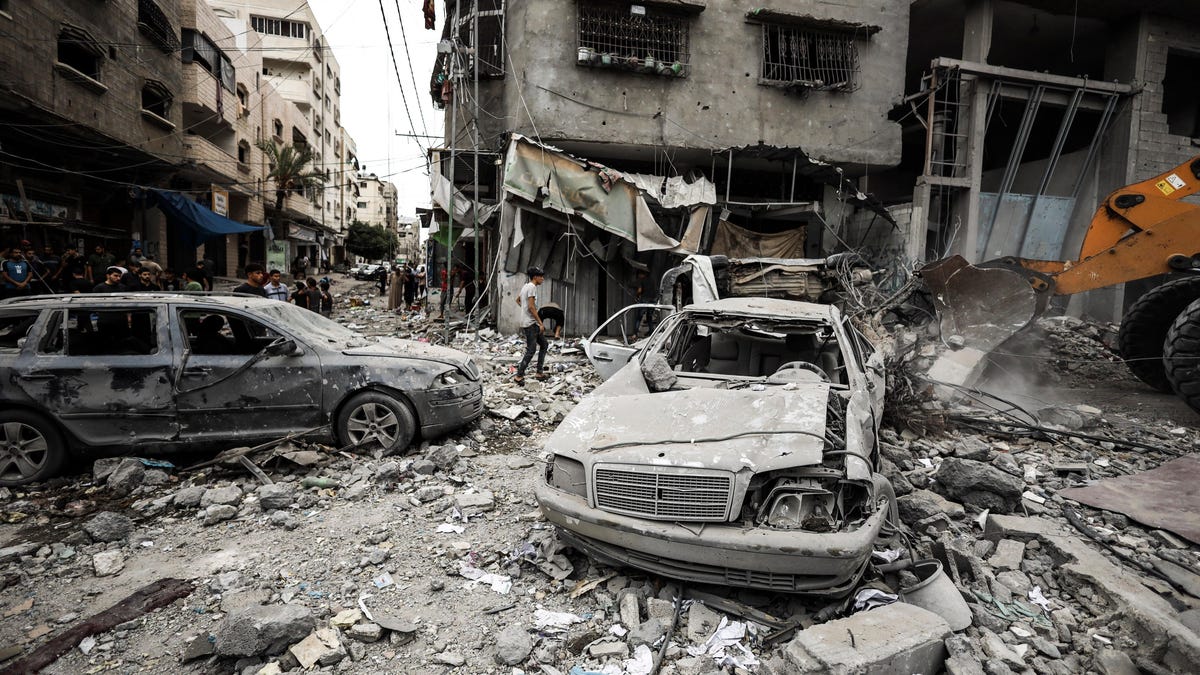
(490, 52)
(810, 58)
(613, 36)
(155, 25)
(280, 27)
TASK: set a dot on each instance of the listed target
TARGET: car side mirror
(280, 347)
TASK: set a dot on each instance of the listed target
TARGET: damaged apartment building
(597, 138)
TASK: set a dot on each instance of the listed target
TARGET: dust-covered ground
(439, 561)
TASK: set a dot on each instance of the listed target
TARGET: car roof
(769, 308)
(193, 298)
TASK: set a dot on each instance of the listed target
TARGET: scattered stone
(346, 618)
(629, 608)
(263, 630)
(219, 513)
(473, 503)
(647, 633)
(513, 646)
(701, 622)
(424, 467)
(320, 647)
(201, 646)
(108, 563)
(978, 484)
(921, 504)
(658, 373)
(608, 647)
(126, 476)
(453, 659)
(430, 493)
(366, 632)
(1008, 555)
(108, 526)
(229, 495)
(188, 497)
(277, 496)
(896, 638)
(1114, 662)
(443, 456)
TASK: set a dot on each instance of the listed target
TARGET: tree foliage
(290, 169)
(373, 242)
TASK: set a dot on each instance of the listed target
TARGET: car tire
(375, 413)
(1144, 329)
(31, 448)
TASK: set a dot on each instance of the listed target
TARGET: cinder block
(898, 638)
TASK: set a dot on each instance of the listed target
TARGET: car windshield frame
(309, 324)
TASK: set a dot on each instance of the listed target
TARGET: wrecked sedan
(167, 369)
(737, 448)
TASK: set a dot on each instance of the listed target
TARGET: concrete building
(299, 65)
(743, 109)
(376, 203)
(1022, 115)
(90, 105)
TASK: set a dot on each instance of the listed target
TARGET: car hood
(411, 349)
(726, 429)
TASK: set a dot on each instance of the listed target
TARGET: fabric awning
(199, 223)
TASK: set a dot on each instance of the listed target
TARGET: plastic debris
(870, 598)
(1037, 598)
(447, 528)
(498, 582)
(559, 621)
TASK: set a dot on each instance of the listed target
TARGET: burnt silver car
(737, 446)
(167, 369)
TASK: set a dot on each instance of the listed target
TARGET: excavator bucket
(985, 305)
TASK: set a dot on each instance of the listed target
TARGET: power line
(396, 68)
(408, 54)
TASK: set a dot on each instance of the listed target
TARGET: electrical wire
(411, 72)
(396, 68)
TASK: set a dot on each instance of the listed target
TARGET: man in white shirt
(276, 290)
(531, 326)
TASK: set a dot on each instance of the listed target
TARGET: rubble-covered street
(310, 558)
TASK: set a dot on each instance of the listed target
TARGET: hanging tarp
(199, 224)
(738, 242)
(600, 196)
(675, 191)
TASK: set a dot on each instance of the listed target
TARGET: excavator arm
(1139, 231)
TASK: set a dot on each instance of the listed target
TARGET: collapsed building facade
(644, 131)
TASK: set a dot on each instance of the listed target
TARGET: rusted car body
(166, 369)
(736, 447)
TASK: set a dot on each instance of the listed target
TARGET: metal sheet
(1167, 497)
(1047, 228)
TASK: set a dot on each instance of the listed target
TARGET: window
(78, 50)
(317, 47)
(156, 99)
(362, 205)
(155, 25)
(280, 27)
(104, 332)
(491, 35)
(809, 57)
(14, 327)
(1181, 100)
(222, 334)
(277, 126)
(197, 48)
(613, 36)
(243, 152)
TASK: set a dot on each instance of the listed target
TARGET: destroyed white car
(736, 447)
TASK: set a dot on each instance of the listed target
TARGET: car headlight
(566, 474)
(450, 378)
(799, 504)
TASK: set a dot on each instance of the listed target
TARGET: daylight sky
(372, 103)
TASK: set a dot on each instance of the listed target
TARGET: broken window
(14, 327)
(808, 57)
(156, 99)
(155, 25)
(78, 50)
(1181, 98)
(632, 37)
(105, 332)
(243, 152)
(219, 333)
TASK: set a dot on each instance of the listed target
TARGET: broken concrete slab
(263, 629)
(897, 638)
(978, 484)
(1008, 555)
(1158, 632)
(1165, 497)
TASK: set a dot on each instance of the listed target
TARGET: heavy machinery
(1139, 231)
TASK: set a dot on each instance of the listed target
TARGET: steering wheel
(781, 373)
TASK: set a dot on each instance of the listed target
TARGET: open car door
(611, 346)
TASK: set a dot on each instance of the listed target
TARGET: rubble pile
(440, 561)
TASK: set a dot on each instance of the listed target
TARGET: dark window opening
(612, 36)
(199, 49)
(278, 128)
(4, 6)
(243, 152)
(1181, 98)
(156, 98)
(280, 27)
(79, 50)
(106, 332)
(808, 57)
(490, 51)
(14, 328)
(155, 25)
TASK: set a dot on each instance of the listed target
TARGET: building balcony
(205, 99)
(217, 163)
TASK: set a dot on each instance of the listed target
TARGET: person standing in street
(276, 289)
(98, 264)
(531, 326)
(17, 274)
(112, 280)
(256, 274)
(326, 299)
(187, 283)
(313, 295)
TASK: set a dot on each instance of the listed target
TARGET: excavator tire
(1145, 325)
(1181, 355)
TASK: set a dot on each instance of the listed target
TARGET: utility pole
(475, 162)
(454, 72)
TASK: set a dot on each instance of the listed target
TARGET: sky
(372, 101)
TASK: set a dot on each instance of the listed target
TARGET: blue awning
(200, 223)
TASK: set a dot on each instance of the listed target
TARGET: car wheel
(372, 419)
(31, 448)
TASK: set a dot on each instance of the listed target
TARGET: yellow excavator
(1139, 231)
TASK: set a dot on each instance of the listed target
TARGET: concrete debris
(438, 559)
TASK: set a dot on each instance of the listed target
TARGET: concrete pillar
(977, 43)
(918, 226)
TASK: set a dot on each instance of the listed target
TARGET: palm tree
(290, 170)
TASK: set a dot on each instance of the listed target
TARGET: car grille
(662, 493)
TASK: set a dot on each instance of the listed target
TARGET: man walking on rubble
(531, 326)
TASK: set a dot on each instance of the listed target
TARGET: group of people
(24, 271)
(403, 286)
(308, 294)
